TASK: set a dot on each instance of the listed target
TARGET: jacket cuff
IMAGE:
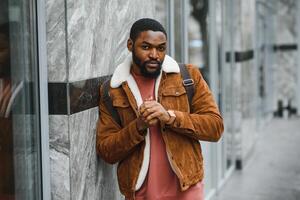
(181, 121)
(134, 135)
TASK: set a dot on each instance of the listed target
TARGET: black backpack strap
(187, 82)
(108, 102)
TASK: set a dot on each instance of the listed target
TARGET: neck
(135, 69)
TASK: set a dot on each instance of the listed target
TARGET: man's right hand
(142, 124)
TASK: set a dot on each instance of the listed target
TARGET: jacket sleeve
(204, 122)
(113, 142)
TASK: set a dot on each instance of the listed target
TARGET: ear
(129, 44)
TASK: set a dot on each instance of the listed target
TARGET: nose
(153, 53)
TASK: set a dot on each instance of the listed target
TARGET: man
(157, 144)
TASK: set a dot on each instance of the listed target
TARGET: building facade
(60, 51)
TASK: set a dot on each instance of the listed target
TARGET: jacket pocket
(121, 102)
(175, 98)
(174, 91)
(124, 110)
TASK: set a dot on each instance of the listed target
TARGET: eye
(145, 47)
(161, 48)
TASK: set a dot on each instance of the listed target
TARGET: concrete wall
(86, 40)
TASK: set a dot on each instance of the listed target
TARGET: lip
(152, 65)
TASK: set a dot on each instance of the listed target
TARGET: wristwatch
(172, 117)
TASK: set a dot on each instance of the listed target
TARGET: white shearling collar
(122, 71)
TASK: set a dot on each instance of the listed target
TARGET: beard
(143, 68)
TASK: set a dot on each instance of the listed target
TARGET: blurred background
(54, 55)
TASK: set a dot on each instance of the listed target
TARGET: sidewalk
(273, 171)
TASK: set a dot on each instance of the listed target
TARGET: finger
(146, 105)
(153, 122)
(152, 116)
(142, 108)
(142, 118)
(146, 113)
(150, 108)
(154, 106)
(149, 104)
(150, 98)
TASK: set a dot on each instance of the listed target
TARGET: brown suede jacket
(129, 148)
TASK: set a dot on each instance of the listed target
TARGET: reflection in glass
(197, 35)
(6, 136)
(161, 15)
(19, 125)
(161, 12)
(227, 86)
(178, 27)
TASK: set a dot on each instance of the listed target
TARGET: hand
(152, 112)
(142, 124)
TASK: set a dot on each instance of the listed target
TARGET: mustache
(153, 62)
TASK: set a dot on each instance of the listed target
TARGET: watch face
(171, 113)
(172, 116)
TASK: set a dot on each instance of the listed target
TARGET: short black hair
(145, 24)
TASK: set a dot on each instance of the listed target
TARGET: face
(148, 53)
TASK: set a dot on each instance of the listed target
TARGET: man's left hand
(150, 110)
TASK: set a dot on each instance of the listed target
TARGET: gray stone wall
(85, 40)
(56, 40)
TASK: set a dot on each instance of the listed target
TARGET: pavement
(273, 170)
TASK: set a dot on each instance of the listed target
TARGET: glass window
(161, 11)
(178, 30)
(19, 112)
(162, 15)
(197, 35)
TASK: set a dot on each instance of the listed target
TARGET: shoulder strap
(187, 82)
(108, 102)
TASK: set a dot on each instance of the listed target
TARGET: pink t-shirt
(161, 183)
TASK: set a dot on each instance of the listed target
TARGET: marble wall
(85, 40)
(59, 156)
(56, 40)
(98, 30)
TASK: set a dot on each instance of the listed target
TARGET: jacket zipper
(133, 197)
(173, 165)
(175, 168)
